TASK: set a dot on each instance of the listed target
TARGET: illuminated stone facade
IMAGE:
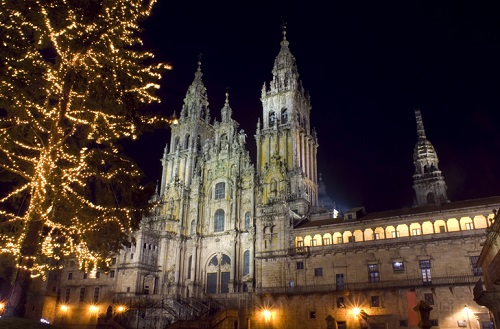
(254, 243)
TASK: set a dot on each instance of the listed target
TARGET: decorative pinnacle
(199, 62)
(227, 95)
(420, 124)
(284, 42)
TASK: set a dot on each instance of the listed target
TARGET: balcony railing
(361, 286)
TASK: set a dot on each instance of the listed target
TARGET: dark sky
(366, 65)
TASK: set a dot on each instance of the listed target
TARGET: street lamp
(267, 315)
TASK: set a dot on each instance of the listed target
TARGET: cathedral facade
(233, 243)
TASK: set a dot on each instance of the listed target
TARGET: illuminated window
(415, 231)
(425, 268)
(468, 226)
(326, 241)
(376, 236)
(313, 242)
(340, 240)
(300, 243)
(220, 190)
(373, 273)
(318, 271)
(352, 239)
(395, 234)
(398, 266)
(219, 221)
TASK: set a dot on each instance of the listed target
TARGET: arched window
(272, 118)
(219, 220)
(186, 145)
(247, 220)
(220, 191)
(284, 116)
(430, 198)
(176, 143)
(218, 274)
(193, 227)
(246, 262)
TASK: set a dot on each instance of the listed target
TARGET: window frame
(373, 273)
(318, 271)
(219, 220)
(220, 191)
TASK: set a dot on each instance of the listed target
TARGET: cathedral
(237, 243)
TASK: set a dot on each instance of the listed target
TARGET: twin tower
(217, 211)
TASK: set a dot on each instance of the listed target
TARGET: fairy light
(71, 81)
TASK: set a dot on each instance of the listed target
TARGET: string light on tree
(73, 80)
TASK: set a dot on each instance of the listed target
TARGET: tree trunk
(16, 305)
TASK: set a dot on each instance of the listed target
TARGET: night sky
(367, 66)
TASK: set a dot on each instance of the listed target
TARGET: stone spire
(428, 183)
(196, 100)
(285, 73)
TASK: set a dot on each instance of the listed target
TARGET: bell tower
(428, 183)
(286, 147)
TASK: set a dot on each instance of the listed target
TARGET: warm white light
(120, 309)
(64, 308)
(65, 114)
(267, 315)
(93, 308)
(356, 311)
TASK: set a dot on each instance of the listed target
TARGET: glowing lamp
(356, 311)
(2, 306)
(93, 309)
(267, 315)
(120, 309)
(64, 308)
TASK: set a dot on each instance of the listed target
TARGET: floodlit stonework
(233, 244)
